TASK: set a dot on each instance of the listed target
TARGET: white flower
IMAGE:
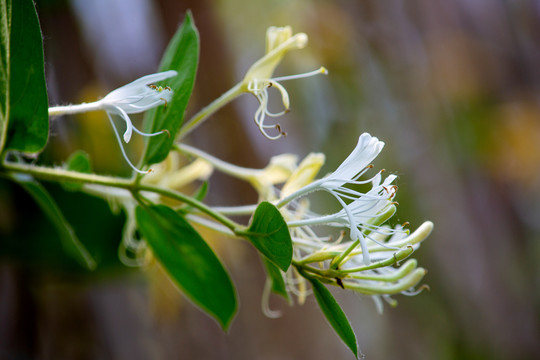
(279, 41)
(368, 260)
(137, 96)
(362, 207)
(366, 150)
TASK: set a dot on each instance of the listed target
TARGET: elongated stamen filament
(164, 131)
(322, 70)
(122, 147)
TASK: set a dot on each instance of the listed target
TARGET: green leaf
(189, 261)
(70, 242)
(335, 316)
(269, 233)
(275, 275)
(201, 191)
(24, 119)
(181, 55)
(78, 161)
(199, 195)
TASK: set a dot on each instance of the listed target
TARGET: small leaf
(199, 195)
(201, 191)
(24, 119)
(275, 275)
(181, 55)
(269, 233)
(335, 316)
(69, 239)
(78, 161)
(189, 261)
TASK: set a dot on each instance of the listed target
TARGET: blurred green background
(452, 87)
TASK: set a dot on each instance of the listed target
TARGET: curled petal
(366, 150)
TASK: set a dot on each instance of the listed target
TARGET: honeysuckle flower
(362, 206)
(279, 41)
(135, 97)
(367, 261)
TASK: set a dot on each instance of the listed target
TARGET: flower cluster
(365, 255)
(364, 260)
(352, 248)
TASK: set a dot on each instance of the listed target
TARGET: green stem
(394, 259)
(325, 273)
(59, 175)
(210, 109)
(236, 228)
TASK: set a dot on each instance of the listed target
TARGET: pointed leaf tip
(335, 315)
(181, 55)
(269, 233)
(190, 262)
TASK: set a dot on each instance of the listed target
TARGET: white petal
(138, 91)
(127, 134)
(152, 78)
(364, 153)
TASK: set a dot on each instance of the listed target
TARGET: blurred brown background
(452, 87)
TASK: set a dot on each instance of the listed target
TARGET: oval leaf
(189, 261)
(269, 233)
(24, 119)
(335, 316)
(181, 55)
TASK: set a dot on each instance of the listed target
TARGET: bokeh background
(452, 87)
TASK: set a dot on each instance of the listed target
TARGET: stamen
(278, 128)
(322, 70)
(265, 301)
(151, 134)
(271, 114)
(417, 291)
(122, 147)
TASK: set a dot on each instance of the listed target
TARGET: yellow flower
(279, 41)
(304, 174)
